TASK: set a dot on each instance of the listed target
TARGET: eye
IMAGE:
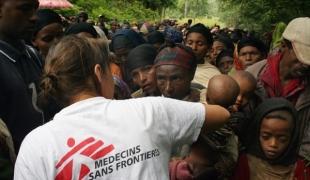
(265, 136)
(189, 42)
(134, 75)
(199, 43)
(147, 68)
(159, 77)
(48, 38)
(283, 139)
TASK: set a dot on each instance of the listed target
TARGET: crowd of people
(107, 100)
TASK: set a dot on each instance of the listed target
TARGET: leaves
(129, 10)
(261, 14)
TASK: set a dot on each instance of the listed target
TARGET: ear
(98, 72)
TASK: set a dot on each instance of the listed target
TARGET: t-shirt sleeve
(183, 120)
(28, 164)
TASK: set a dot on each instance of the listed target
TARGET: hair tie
(52, 77)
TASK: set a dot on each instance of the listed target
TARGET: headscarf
(81, 27)
(173, 35)
(222, 54)
(177, 55)
(126, 38)
(253, 145)
(226, 41)
(277, 35)
(155, 37)
(46, 17)
(249, 42)
(252, 42)
(140, 56)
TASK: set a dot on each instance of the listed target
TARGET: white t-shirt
(109, 139)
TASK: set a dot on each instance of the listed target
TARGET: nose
(168, 88)
(226, 65)
(248, 57)
(273, 143)
(239, 99)
(142, 77)
(194, 47)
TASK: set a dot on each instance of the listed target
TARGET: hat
(46, 17)
(140, 56)
(81, 27)
(297, 32)
(178, 55)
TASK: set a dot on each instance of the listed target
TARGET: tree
(261, 14)
(130, 10)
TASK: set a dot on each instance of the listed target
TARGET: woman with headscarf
(82, 29)
(122, 43)
(48, 29)
(272, 143)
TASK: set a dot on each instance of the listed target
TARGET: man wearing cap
(287, 74)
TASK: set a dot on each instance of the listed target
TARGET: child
(272, 144)
(245, 104)
(224, 61)
(214, 155)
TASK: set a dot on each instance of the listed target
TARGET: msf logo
(71, 164)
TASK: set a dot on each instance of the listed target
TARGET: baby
(212, 156)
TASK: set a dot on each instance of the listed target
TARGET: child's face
(274, 137)
(247, 89)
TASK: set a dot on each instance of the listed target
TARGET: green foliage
(261, 14)
(130, 10)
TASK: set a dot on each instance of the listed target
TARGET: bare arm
(215, 117)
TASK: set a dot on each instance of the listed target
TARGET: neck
(82, 96)
(284, 68)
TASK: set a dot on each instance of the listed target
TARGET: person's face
(297, 68)
(217, 47)
(275, 135)
(46, 36)
(173, 81)
(225, 64)
(249, 55)
(198, 44)
(17, 18)
(246, 92)
(114, 26)
(144, 77)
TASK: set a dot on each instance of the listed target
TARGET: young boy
(272, 144)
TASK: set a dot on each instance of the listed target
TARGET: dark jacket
(20, 72)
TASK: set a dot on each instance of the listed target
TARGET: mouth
(271, 154)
